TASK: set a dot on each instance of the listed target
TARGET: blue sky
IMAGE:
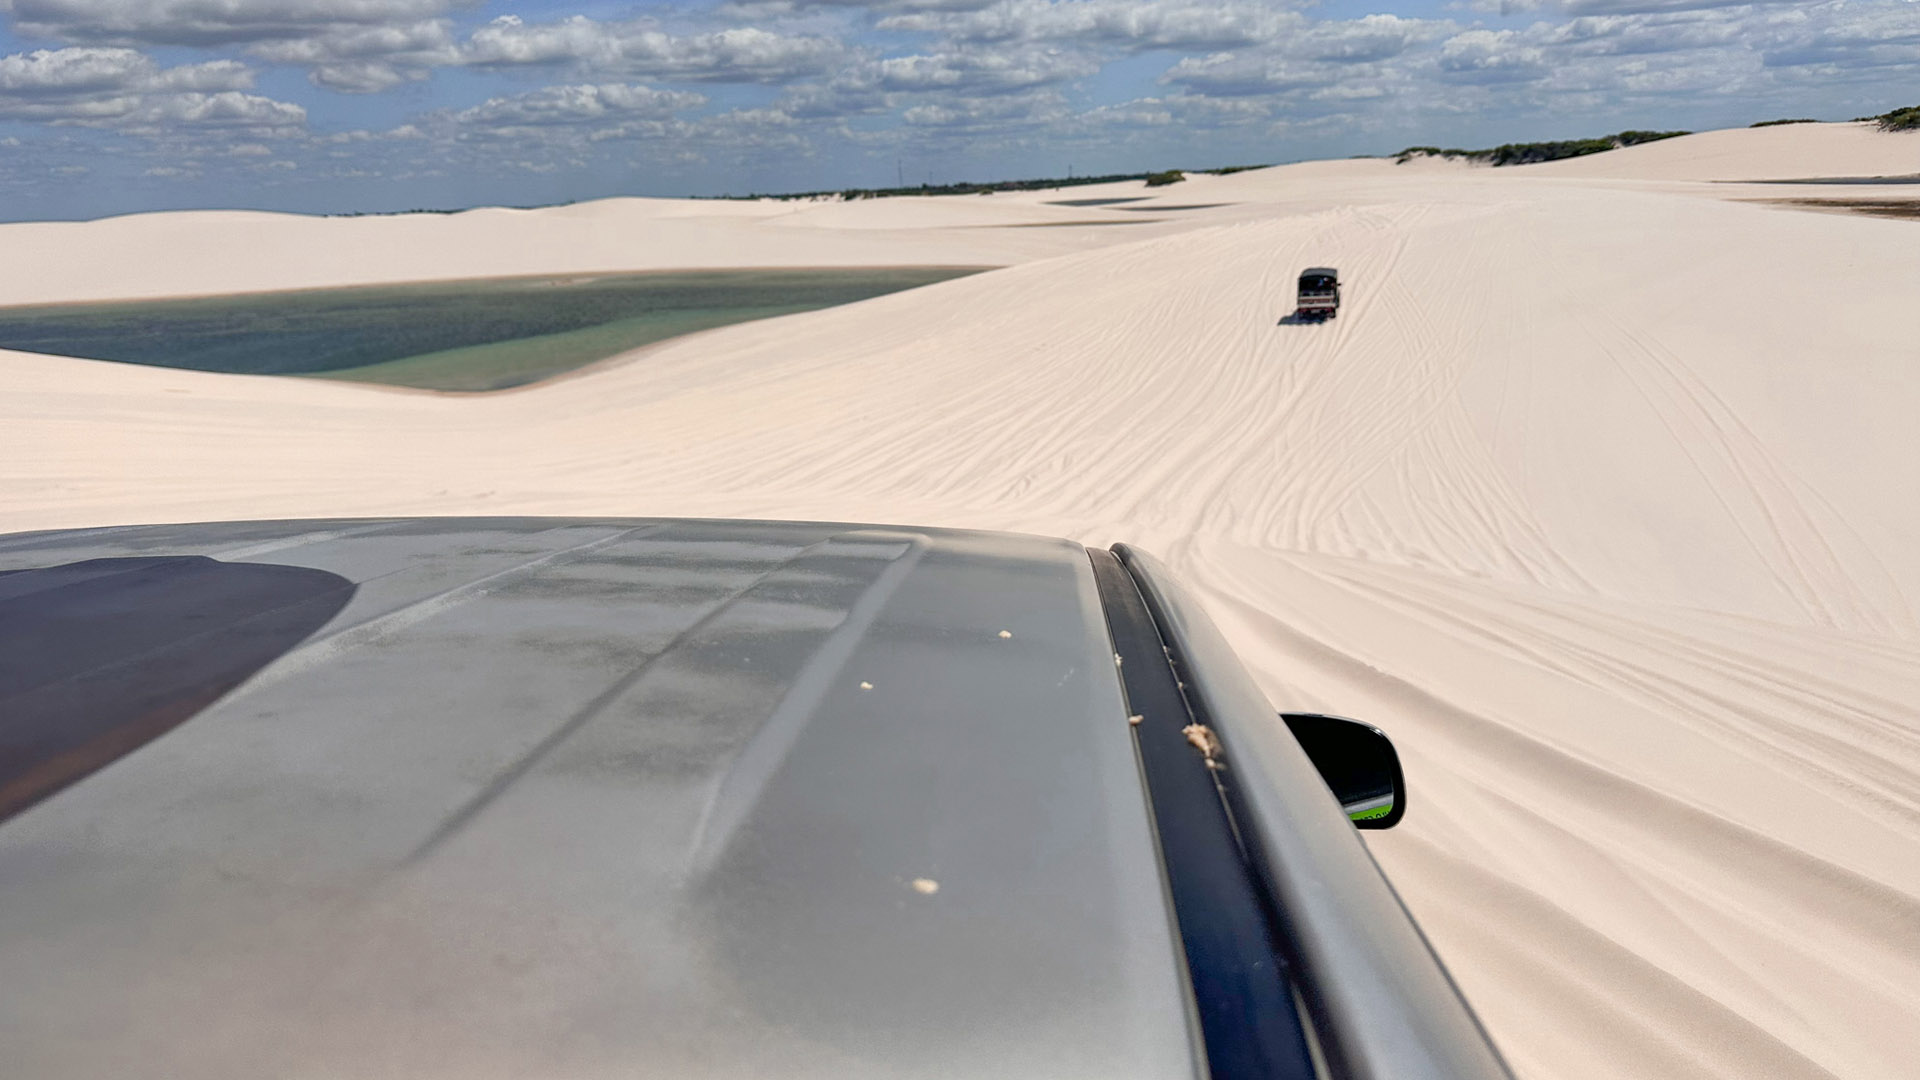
(112, 106)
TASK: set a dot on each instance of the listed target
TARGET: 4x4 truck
(1319, 294)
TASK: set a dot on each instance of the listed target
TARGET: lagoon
(447, 335)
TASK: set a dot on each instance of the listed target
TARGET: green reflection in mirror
(1372, 810)
(1358, 763)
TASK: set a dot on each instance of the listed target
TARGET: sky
(328, 106)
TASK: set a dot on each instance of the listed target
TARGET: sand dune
(1788, 151)
(1598, 497)
(210, 253)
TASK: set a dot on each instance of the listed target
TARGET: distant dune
(1598, 496)
(1772, 153)
(191, 253)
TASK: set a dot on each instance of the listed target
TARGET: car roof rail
(1381, 1003)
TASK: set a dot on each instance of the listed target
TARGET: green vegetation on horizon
(1536, 152)
(991, 186)
(1888, 208)
(1907, 119)
(1903, 119)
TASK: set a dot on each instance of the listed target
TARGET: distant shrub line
(961, 188)
(1902, 119)
(1535, 152)
(1152, 179)
(1907, 119)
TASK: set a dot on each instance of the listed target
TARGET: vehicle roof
(1320, 271)
(576, 797)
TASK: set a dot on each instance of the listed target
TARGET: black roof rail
(1242, 988)
(1382, 1005)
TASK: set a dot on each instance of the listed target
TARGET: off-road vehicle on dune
(1319, 298)
(519, 797)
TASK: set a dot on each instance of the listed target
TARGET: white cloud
(1368, 38)
(992, 114)
(229, 109)
(355, 46)
(1238, 75)
(1641, 7)
(1623, 35)
(641, 50)
(56, 72)
(1141, 112)
(582, 104)
(126, 89)
(1491, 56)
(210, 22)
(742, 130)
(509, 40)
(1134, 24)
(1356, 54)
(1842, 36)
(365, 59)
(972, 72)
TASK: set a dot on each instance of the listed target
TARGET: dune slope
(1782, 152)
(1598, 500)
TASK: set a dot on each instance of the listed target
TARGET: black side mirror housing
(1359, 764)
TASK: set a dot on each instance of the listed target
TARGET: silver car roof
(586, 798)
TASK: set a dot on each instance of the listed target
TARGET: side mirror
(1358, 763)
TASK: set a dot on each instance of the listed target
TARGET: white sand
(1599, 497)
(1785, 152)
(201, 252)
